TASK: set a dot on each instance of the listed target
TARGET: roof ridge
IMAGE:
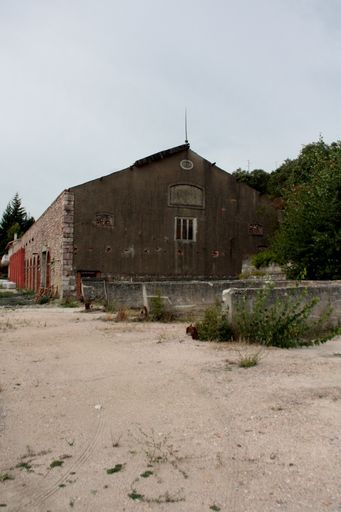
(161, 154)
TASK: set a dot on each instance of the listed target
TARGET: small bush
(28, 293)
(6, 293)
(110, 307)
(281, 322)
(160, 311)
(69, 302)
(56, 463)
(115, 469)
(43, 300)
(121, 316)
(252, 274)
(214, 326)
(263, 258)
(6, 476)
(249, 359)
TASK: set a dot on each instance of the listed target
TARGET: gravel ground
(104, 416)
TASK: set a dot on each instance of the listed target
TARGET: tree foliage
(311, 161)
(257, 179)
(308, 242)
(15, 220)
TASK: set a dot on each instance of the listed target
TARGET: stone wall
(48, 246)
(68, 274)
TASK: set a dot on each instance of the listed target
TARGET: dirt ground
(104, 416)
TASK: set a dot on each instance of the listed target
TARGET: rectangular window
(185, 229)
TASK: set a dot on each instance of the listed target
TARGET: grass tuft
(56, 463)
(115, 469)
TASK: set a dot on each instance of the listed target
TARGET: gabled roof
(162, 154)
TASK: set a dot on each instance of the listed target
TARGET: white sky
(89, 86)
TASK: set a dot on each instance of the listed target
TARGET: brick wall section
(53, 232)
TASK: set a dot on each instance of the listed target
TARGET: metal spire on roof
(186, 136)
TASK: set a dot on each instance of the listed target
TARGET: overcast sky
(89, 86)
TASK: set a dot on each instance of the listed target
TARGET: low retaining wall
(328, 294)
(196, 296)
(181, 295)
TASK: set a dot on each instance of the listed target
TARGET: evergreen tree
(15, 220)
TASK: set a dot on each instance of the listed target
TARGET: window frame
(185, 229)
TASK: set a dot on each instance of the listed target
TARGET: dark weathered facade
(172, 215)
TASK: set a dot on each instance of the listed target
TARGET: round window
(187, 165)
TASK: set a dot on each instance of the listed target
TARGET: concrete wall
(195, 296)
(182, 296)
(328, 294)
(125, 222)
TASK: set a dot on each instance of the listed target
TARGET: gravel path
(176, 422)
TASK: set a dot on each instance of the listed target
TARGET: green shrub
(263, 258)
(110, 307)
(214, 326)
(69, 302)
(160, 311)
(281, 322)
(44, 299)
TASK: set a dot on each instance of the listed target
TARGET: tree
(15, 220)
(308, 242)
(257, 179)
(312, 159)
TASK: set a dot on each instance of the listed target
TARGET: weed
(281, 322)
(6, 476)
(72, 502)
(215, 508)
(263, 258)
(161, 337)
(277, 408)
(109, 317)
(147, 474)
(156, 450)
(121, 316)
(110, 307)
(43, 300)
(252, 274)
(164, 498)
(159, 450)
(115, 443)
(28, 293)
(214, 326)
(24, 465)
(160, 311)
(247, 359)
(134, 495)
(115, 469)
(56, 463)
(6, 293)
(30, 453)
(69, 302)
(6, 325)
